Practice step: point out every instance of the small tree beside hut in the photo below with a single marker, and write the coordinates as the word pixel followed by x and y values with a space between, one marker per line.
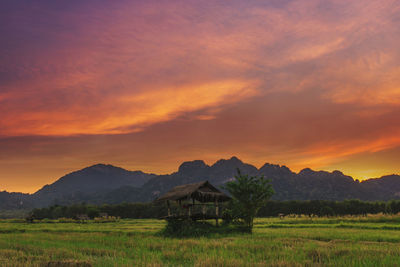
pixel 249 194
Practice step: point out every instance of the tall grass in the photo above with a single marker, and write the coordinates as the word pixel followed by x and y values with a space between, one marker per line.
pixel 353 241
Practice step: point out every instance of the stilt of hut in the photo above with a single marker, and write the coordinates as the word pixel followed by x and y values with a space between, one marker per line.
pixel 169 208
pixel 216 212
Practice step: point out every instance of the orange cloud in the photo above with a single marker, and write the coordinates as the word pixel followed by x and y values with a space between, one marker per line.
pixel 130 113
pixel 326 154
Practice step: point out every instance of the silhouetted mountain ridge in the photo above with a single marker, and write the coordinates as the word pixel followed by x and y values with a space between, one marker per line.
pixel 103 183
pixel 99 178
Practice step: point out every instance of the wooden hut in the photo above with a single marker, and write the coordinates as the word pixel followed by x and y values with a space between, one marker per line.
pixel 189 196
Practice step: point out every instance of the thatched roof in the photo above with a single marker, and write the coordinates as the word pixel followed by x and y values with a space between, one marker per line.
pixel 203 192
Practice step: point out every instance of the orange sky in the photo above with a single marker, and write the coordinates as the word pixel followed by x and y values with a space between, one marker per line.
pixel 149 84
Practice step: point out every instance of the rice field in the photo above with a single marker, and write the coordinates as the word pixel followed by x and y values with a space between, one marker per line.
pixel 352 241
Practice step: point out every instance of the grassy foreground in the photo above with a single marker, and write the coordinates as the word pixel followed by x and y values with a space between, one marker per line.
pixel 371 241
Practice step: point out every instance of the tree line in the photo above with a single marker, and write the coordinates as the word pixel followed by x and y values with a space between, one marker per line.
pixel 271 209
pixel 328 208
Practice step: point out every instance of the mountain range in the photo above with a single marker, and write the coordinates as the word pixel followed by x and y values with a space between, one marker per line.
pixel 101 183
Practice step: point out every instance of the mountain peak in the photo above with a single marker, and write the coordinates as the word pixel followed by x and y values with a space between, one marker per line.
pixel 193 167
pixel 101 167
pixel 96 178
pixel 235 159
pixel 339 173
pixel 192 164
pixel 274 166
pixel 232 161
pixel 274 169
pixel 306 171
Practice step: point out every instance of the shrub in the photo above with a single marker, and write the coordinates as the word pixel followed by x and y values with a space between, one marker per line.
pixel 188 228
pixel 249 194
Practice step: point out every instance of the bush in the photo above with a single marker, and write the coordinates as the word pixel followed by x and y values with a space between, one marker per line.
pixel 188 228
pixel 249 194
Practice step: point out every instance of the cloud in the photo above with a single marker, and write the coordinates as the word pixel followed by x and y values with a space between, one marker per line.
pixel 126 113
pixel 301 82
pixel 88 62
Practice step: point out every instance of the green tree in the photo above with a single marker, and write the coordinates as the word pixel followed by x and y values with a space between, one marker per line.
pixel 249 194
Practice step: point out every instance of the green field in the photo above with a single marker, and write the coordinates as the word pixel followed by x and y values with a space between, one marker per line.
pixel 371 241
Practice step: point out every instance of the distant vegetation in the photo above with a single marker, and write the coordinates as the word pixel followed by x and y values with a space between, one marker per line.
pixel 12 214
pixel 271 209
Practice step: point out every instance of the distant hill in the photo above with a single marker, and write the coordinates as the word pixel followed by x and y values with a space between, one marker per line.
pixel 93 180
pixel 102 183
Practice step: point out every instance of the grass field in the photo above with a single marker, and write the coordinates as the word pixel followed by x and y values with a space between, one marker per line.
pixel 371 241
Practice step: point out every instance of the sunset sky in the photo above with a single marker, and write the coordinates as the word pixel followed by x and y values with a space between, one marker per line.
pixel 146 85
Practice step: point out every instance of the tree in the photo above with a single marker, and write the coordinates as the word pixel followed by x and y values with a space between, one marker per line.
pixel 249 194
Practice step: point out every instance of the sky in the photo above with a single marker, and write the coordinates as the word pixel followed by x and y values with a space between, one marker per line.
pixel 146 85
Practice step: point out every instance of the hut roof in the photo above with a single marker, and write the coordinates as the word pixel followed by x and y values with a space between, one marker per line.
pixel 203 192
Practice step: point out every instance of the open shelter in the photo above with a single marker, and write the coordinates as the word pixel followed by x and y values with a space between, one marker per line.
pixel 189 196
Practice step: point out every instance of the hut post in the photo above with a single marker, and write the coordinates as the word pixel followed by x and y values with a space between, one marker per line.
pixel 203 210
pixel 193 211
pixel 216 212
pixel 169 208
pixel 189 210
